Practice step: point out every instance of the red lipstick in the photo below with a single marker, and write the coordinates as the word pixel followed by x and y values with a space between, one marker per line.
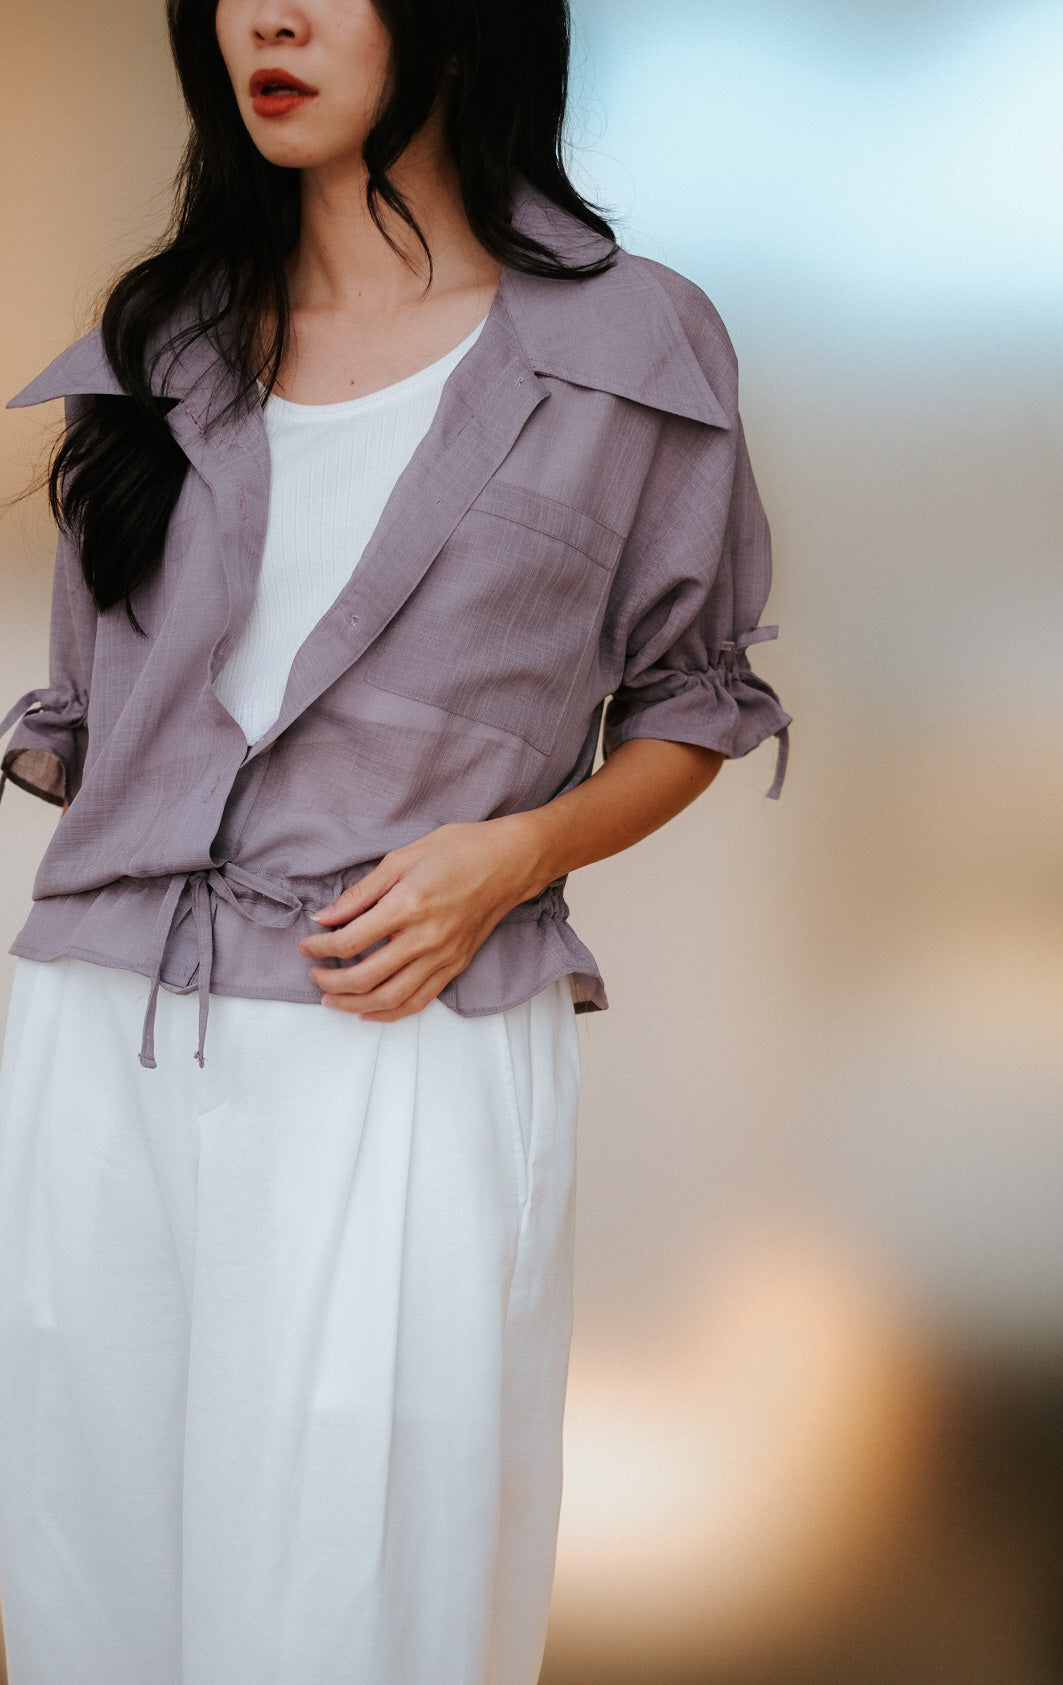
pixel 276 92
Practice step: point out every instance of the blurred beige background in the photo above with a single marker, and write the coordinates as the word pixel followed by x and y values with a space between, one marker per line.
pixel 820 1269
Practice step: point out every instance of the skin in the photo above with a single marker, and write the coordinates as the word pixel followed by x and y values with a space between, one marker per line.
pixel 363 318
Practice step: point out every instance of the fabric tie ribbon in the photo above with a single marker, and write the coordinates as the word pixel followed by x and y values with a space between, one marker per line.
pixel 730 652
pixel 65 708
pixel 255 899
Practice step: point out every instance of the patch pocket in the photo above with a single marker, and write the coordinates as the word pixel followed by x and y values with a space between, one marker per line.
pixel 507 617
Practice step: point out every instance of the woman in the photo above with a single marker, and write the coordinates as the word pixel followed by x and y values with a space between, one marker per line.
pixel 384 478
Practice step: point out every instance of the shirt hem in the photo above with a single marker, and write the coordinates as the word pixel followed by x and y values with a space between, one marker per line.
pixel 587 1002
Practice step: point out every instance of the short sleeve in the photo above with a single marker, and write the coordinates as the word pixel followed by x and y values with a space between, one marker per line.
pixel 693 583
pixel 46 752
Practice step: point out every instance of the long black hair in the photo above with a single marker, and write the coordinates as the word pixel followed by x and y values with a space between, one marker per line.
pixel 117 474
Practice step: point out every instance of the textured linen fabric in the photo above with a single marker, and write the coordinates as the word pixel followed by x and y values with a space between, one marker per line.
pixel 332 469
pixel 578 533
pixel 282 1360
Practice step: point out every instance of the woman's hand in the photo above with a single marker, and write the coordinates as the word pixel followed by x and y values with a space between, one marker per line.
pixel 436 901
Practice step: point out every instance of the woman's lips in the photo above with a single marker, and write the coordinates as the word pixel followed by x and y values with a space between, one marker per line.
pixel 276 92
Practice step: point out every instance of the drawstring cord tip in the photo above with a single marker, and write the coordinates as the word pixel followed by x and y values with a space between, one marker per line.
pixel 282 909
pixel 781 758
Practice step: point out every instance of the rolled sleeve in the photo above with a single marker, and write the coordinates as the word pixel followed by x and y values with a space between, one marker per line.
pixel 46 752
pixel 698 580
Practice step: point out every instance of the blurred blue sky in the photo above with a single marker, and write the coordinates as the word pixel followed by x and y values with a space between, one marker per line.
pixel 865 158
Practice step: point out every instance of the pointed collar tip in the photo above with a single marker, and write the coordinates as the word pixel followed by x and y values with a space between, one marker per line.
pixel 78 371
pixel 616 332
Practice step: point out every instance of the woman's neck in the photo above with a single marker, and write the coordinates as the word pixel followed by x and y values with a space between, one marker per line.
pixel 361 317
pixel 343 263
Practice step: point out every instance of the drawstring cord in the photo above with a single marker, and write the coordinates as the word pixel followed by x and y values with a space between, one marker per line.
pixel 242 891
pixel 730 652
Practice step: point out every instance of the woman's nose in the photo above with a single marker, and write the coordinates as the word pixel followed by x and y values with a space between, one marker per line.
pixel 275 23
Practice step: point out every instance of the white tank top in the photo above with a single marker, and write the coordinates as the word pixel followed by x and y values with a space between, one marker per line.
pixel 332 469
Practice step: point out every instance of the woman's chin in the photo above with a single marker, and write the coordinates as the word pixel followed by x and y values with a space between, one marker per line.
pixel 289 152
pixel 291 146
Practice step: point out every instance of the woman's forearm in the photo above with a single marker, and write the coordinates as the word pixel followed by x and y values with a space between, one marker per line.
pixel 644 783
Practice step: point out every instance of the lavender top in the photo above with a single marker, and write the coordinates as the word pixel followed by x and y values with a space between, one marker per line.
pixel 578 532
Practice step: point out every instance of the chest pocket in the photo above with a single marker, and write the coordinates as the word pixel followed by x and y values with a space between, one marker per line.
pixel 503 624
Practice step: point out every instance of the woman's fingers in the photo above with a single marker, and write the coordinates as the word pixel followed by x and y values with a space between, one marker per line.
pixel 406 948
pixel 359 897
pixel 406 992
pixel 385 918
pixel 370 973
pixel 428 991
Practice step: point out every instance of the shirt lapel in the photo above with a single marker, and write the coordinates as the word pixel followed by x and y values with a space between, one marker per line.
pixel 485 404
pixel 233 460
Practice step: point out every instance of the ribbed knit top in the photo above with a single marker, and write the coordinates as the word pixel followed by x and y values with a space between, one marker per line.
pixel 332 469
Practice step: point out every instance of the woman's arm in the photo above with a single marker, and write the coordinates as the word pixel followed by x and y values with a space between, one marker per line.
pixel 439 898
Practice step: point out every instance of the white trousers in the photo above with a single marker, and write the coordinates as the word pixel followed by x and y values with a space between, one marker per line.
pixel 283 1341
